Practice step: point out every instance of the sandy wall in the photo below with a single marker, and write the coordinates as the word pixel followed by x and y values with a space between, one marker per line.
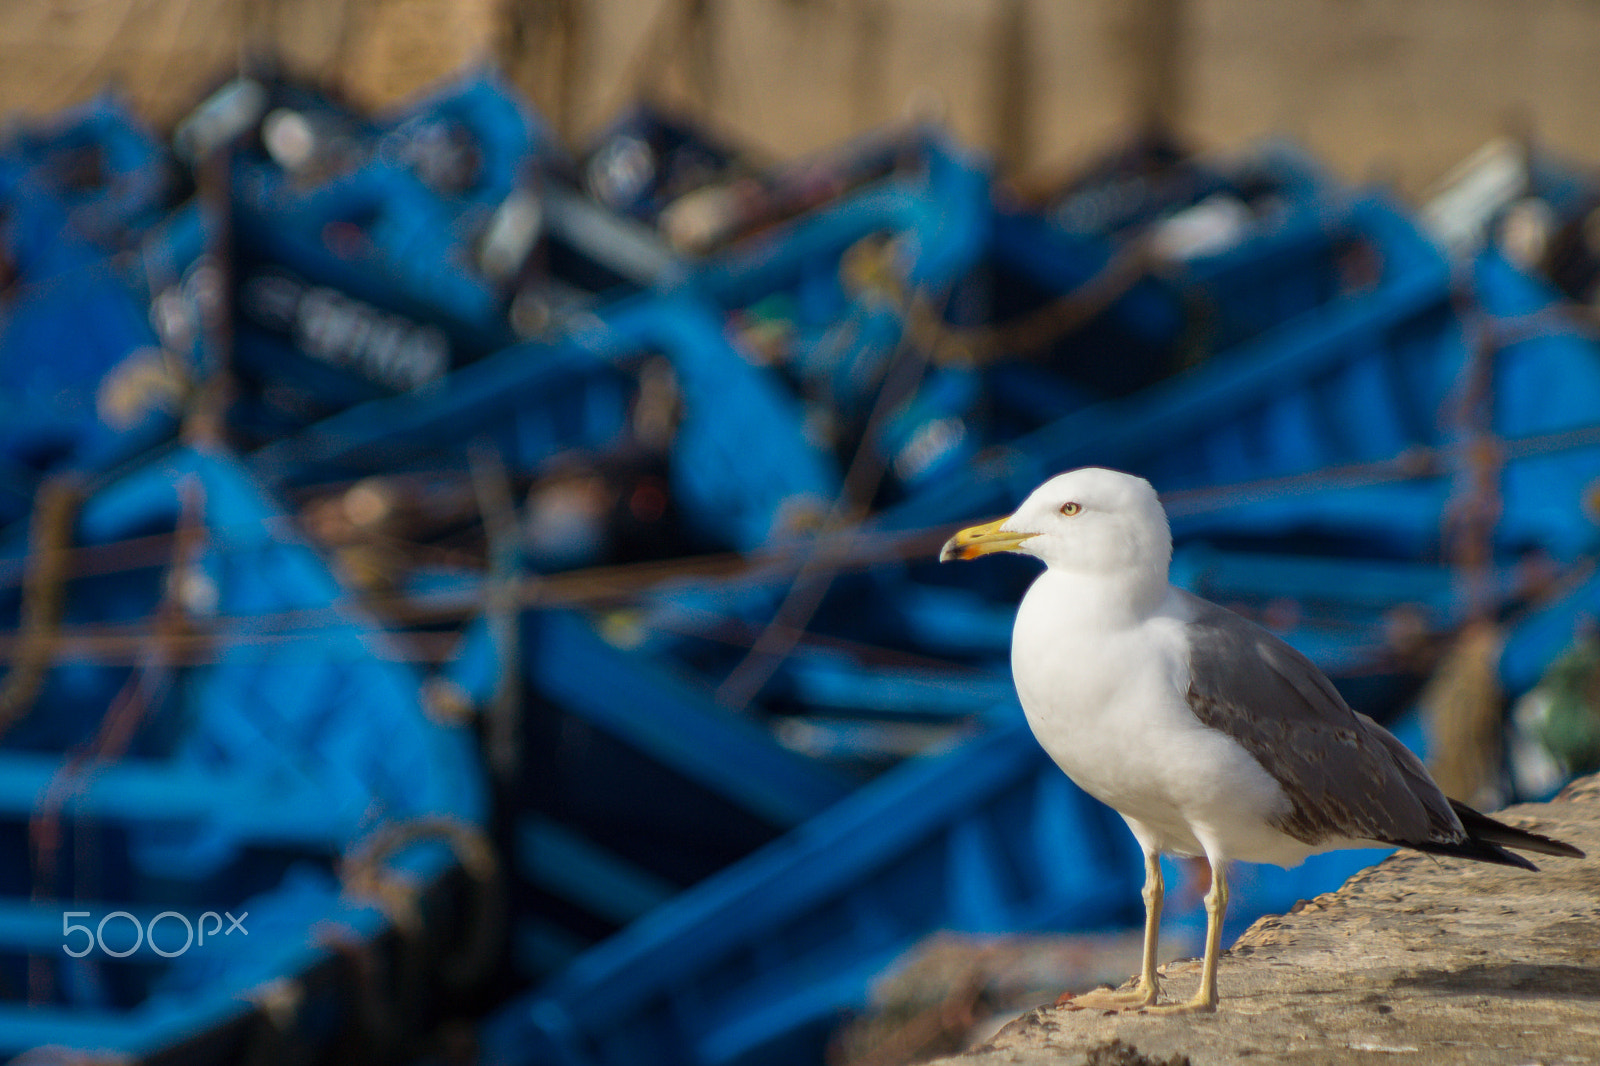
pixel 1399 90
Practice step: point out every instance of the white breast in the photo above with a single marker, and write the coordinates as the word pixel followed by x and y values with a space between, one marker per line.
pixel 1108 702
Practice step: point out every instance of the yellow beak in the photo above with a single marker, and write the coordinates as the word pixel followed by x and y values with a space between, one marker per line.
pixel 982 540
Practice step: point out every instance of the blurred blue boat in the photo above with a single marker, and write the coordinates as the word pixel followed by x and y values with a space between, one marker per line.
pixel 98 162
pixel 629 783
pixel 731 786
pixel 1349 425
pixel 758 963
pixel 1369 356
pixel 352 245
pixel 84 382
pixel 197 720
pixel 742 472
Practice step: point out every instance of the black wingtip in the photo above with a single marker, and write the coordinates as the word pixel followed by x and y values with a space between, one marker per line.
pixel 1481 827
pixel 1478 850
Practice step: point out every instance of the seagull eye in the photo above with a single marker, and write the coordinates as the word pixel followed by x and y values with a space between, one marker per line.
pixel 1070 509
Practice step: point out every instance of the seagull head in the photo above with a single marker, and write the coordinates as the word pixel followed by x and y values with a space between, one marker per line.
pixel 1092 519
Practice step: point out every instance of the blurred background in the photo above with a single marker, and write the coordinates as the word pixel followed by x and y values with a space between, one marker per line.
pixel 472 473
pixel 1402 93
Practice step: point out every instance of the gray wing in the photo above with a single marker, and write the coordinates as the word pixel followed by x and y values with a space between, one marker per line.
pixel 1344 774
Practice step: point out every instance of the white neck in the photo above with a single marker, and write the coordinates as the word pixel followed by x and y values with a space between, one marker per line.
pixel 1106 600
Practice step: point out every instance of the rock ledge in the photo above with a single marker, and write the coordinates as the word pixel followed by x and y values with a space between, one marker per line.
pixel 1417 960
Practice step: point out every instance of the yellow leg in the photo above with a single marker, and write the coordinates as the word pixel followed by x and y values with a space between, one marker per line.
pixel 1154 894
pixel 1148 990
pixel 1205 1000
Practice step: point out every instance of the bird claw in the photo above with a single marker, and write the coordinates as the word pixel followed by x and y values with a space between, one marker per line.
pixel 1111 999
pixel 1193 1006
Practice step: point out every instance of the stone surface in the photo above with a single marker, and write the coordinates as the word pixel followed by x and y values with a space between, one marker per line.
pixel 953 991
pixel 1416 960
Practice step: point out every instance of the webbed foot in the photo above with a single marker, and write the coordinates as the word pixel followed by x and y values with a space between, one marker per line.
pixel 1140 997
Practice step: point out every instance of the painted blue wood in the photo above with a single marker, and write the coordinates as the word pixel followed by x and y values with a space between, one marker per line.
pixel 243 781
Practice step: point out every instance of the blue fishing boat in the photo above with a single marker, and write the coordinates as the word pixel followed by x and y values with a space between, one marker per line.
pixel 228 824
pixel 736 773
pixel 1377 357
pixel 77 190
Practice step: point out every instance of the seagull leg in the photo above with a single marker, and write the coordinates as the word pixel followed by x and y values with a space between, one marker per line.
pixel 1154 894
pixel 1205 999
pixel 1148 990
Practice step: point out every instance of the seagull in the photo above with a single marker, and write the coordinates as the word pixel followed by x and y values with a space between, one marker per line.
pixel 1210 736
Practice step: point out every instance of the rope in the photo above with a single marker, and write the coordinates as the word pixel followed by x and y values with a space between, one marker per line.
pixel 593 587
pixel 34 642
pixel 278 1040
pixel 383 1012
pixel 1034 334
pixel 367 875
pixel 870 271
pixel 630 583
pixel 627 582
pixel 1474 507
pixel 43 594
pixel 145 686
pixel 503 732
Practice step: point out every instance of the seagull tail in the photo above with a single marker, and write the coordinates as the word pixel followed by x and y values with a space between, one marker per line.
pixel 1480 850
pixel 1488 839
